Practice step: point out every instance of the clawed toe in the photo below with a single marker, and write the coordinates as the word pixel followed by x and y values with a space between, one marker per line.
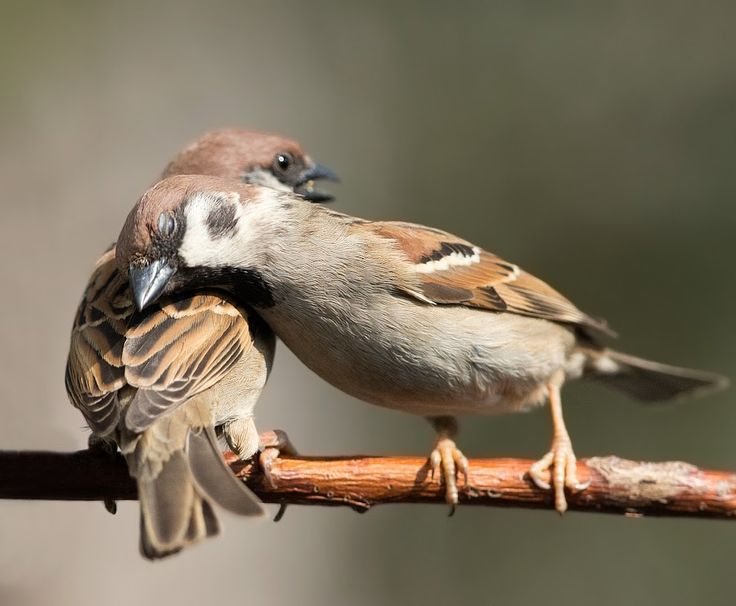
pixel 448 459
pixel 265 461
pixel 539 471
pixel 273 444
pixel 560 466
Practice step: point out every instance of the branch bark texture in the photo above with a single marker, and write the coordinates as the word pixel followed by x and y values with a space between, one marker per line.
pixel 616 485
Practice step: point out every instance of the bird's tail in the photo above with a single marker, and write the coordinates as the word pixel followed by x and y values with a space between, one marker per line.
pixel 649 381
pixel 177 494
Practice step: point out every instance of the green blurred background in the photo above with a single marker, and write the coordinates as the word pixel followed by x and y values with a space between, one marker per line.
pixel 592 143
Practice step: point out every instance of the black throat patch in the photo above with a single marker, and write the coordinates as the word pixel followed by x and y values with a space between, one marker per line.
pixel 248 286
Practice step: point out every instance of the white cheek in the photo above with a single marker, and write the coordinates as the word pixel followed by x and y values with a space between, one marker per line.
pixel 200 249
pixel 266 178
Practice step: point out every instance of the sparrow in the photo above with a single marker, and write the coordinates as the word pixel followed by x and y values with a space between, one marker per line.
pixel 396 314
pixel 161 384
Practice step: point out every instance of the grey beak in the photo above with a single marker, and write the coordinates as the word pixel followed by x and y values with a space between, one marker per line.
pixel 305 184
pixel 148 282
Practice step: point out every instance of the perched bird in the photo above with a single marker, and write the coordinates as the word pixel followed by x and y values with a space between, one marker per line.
pixel 158 383
pixel 396 314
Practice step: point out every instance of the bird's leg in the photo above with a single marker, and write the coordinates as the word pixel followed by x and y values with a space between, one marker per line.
pixel 559 464
pixel 107 448
pixel 448 457
pixel 102 446
pixel 241 436
pixel 273 443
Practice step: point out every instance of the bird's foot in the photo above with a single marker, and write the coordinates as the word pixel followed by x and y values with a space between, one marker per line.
pixel 102 446
pixel 448 457
pixel 273 444
pixel 558 470
pixel 105 448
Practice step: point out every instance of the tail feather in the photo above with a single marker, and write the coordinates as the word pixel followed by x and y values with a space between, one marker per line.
pixel 650 381
pixel 173 512
pixel 215 478
pixel 177 494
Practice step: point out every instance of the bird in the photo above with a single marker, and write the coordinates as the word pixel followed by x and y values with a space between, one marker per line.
pixel 396 314
pixel 160 384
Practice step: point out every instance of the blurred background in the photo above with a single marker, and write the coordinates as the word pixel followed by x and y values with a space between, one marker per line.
pixel 593 145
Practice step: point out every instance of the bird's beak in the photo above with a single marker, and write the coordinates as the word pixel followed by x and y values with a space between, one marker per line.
pixel 148 282
pixel 305 185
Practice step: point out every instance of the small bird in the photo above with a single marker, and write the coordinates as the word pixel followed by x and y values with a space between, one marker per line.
pixel 158 383
pixel 396 314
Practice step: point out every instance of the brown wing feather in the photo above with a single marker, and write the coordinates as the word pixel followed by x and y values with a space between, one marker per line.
pixel 94 370
pixel 452 271
pixel 179 350
pixel 174 351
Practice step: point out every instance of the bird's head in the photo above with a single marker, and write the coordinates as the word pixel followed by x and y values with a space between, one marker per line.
pixel 193 231
pixel 251 157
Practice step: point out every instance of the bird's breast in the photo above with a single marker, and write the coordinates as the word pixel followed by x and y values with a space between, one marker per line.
pixel 425 359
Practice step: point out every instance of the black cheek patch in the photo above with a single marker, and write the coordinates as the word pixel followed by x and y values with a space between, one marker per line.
pixel 221 221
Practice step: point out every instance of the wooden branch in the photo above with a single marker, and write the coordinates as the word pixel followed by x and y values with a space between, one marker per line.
pixel 616 485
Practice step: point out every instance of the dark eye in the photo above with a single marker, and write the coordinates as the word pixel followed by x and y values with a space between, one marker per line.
pixel 283 162
pixel 166 224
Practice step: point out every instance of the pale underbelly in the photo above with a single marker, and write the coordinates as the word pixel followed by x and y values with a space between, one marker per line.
pixel 456 404
pixel 459 362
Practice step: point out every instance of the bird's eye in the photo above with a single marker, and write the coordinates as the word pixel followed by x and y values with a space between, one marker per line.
pixel 166 224
pixel 283 161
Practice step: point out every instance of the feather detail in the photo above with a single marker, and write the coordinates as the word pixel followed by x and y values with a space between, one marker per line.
pixel 452 271
pixel 177 349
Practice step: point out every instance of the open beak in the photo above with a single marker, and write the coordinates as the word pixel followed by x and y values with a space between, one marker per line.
pixel 305 185
pixel 148 282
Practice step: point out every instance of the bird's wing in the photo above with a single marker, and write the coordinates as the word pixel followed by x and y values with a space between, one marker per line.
pixel 94 368
pixel 452 271
pixel 178 350
pixel 169 353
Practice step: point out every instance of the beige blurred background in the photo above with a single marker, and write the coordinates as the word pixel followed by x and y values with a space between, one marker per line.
pixel 594 145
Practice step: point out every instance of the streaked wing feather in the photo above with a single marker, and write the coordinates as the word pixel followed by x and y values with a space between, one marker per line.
pixel 170 353
pixel 179 350
pixel 94 371
pixel 452 271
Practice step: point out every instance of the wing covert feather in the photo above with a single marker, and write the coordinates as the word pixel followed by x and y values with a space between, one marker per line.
pixel 452 271
pixel 170 353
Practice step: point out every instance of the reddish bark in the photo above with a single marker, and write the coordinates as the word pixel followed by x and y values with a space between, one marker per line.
pixel 616 485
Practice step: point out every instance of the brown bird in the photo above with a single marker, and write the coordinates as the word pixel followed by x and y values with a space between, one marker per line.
pixel 158 383
pixel 396 314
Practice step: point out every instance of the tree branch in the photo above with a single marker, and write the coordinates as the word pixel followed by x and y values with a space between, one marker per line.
pixel 616 485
